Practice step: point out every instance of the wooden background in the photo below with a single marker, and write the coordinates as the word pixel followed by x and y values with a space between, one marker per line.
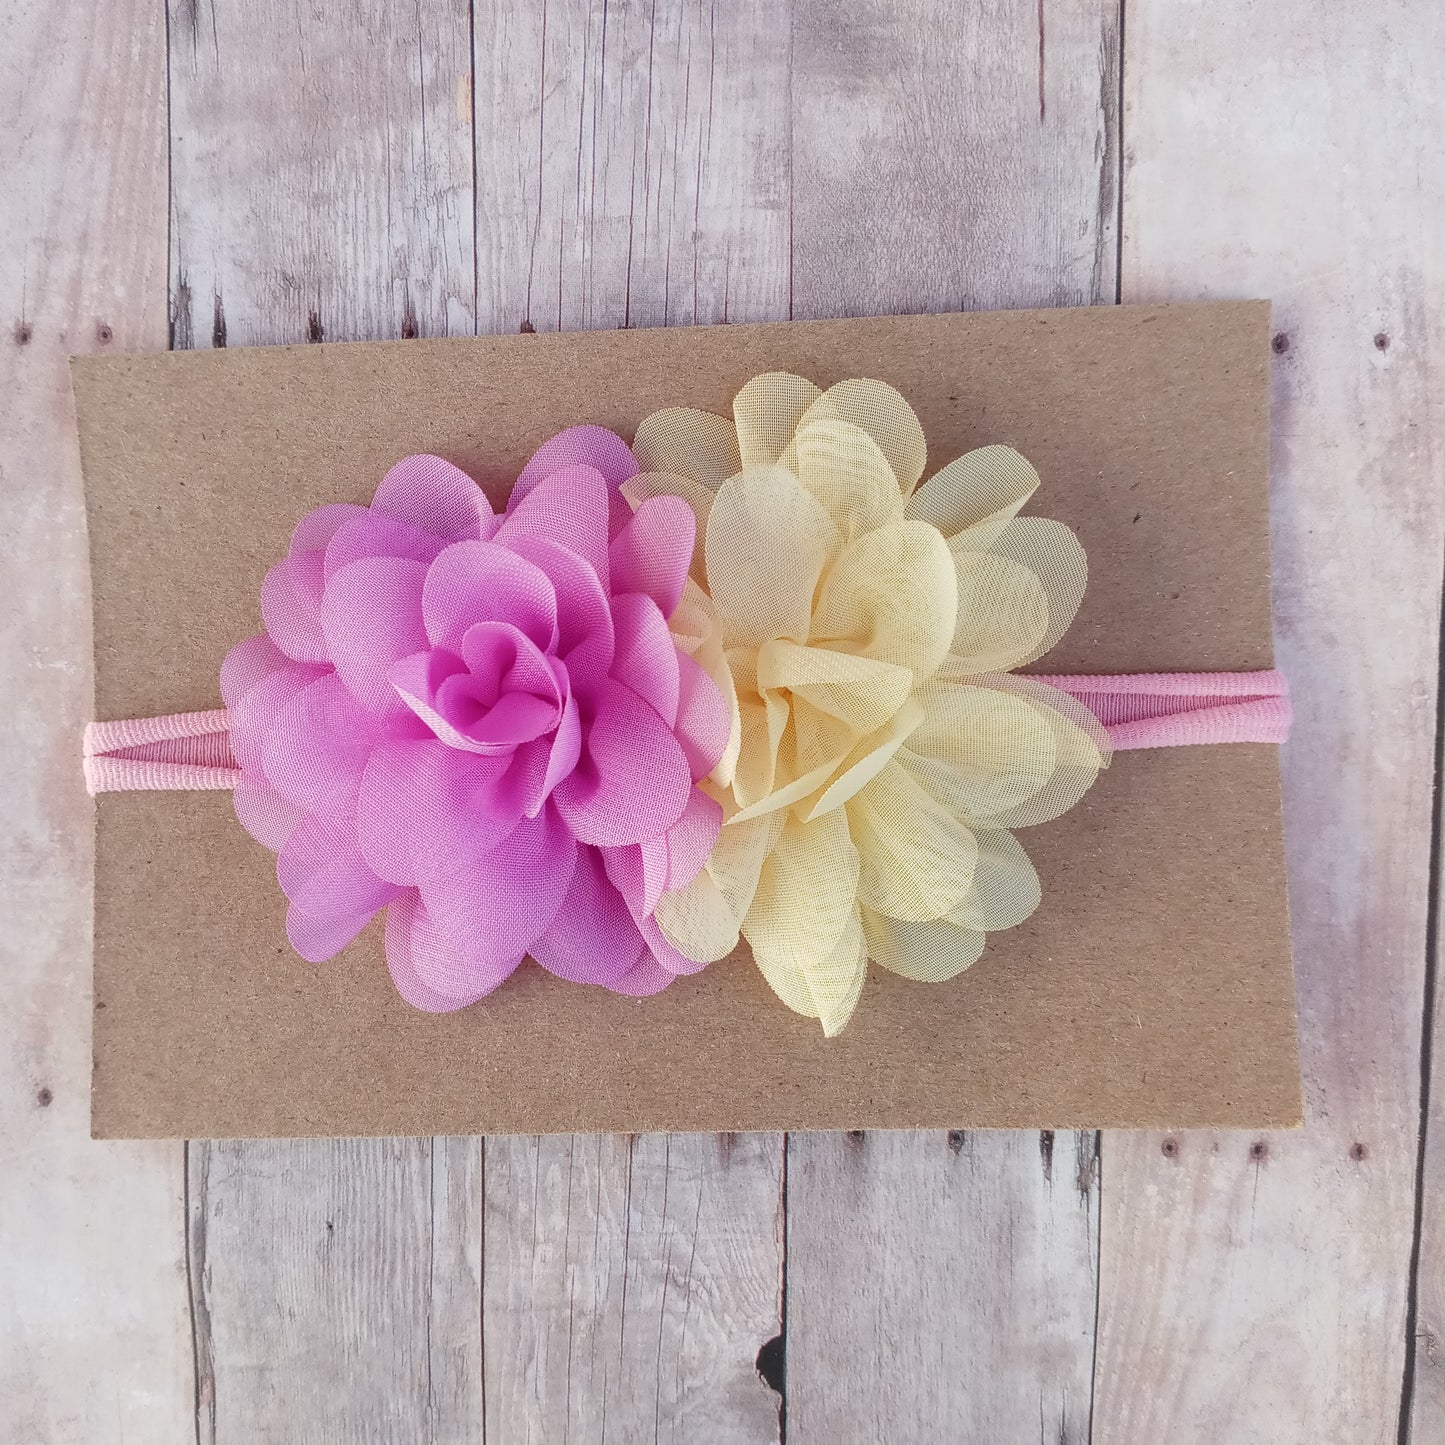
pixel 235 172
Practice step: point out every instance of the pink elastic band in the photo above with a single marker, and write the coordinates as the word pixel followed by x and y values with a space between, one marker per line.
pixel 192 750
pixel 1176 709
pixel 186 750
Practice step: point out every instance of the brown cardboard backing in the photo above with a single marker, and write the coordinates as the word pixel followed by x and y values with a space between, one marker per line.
pixel 1153 985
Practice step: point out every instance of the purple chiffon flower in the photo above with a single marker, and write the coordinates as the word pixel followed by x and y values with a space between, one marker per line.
pixel 482 724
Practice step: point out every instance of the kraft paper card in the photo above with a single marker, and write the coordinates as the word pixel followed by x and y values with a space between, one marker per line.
pixel 1151 987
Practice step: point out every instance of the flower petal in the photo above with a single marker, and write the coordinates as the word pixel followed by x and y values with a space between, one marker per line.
pixel 704 718
pixel 371 618
pixel 1003 613
pixel 928 950
pixel 584 614
pixel 593 938
pixel 427 973
pixel 431 493
pixel 268 817
pixel 569 508
pixel 322 872
pixel 862 692
pixel 690 443
pixel 980 491
pixel 313 533
pixel 492 904
pixel 892 595
pixel 846 470
pixel 473 582
pixel 646 485
pixel 979 751
pixel 260 707
pixel 632 780
pixel 916 858
pixel 646 661
pixel 882 412
pixel 652 553
pixel 318 939
pixel 766 413
pixel 1055 556
pixel 803 924
pixel 1006 887
pixel 318 748
pixel 377 534
pixel 291 606
pixel 643 980
pixel 249 663
pixel 759 593
pixel 588 446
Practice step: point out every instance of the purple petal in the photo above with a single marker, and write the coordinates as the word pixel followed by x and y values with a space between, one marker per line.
pixel 291 606
pixel 421 804
pixel 703 720
pixel 589 446
pixel 317 939
pixel 652 553
pixel 584 614
pixel 268 817
pixel 690 840
pixel 322 872
pixel 568 508
pixel 432 494
pixel 647 978
pixel 632 781
pixel 260 708
pixel 427 974
pixel 475 582
pixel 249 663
pixel 315 530
pixel 376 534
pixel 491 905
pixel 371 616
pixel 318 748
pixel 593 938
pixel 645 659
pixel 624 868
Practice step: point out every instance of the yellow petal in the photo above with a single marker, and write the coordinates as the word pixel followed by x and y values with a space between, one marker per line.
pixel 1056 557
pixel 979 491
pixel 1005 885
pixel 688 443
pixel 1003 612
pixel 761 724
pixel 860 691
pixel 646 485
pixel 883 413
pixel 892 595
pixel 766 412
pixel 979 751
pixel 867 759
pixel 1081 749
pixel 768 541
pixel 702 920
pixel 916 858
pixel 803 925
pixel 843 467
pixel 929 951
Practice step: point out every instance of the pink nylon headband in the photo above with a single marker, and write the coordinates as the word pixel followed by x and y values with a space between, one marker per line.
pixel 192 750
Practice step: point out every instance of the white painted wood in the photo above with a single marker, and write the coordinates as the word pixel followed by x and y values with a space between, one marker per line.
pixel 630 1281
pixel 321 189
pixel 631 170
pixel 335 1287
pixel 321 171
pixel 94 1343
pixel 1255 1289
pixel 943 1287
pixel 632 163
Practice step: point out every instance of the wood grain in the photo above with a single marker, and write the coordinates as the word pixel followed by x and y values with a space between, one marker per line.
pixel 1255 1289
pixel 630 1282
pixel 632 169
pixel 94 1343
pixel 321 189
pixel 943 1286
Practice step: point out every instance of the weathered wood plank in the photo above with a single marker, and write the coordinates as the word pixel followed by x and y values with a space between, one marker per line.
pixel 942 1287
pixel 94 1342
pixel 1425 1387
pixel 630 1281
pixel 321 174
pixel 631 170
pixel 1255 1289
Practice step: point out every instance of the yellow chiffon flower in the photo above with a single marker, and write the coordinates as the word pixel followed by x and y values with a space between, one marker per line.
pixel 863 628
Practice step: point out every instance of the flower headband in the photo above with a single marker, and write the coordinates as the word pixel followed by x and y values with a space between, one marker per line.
pixel 744 680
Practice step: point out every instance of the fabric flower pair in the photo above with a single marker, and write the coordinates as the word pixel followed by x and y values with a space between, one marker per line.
pixel 862 629
pixel 483 724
